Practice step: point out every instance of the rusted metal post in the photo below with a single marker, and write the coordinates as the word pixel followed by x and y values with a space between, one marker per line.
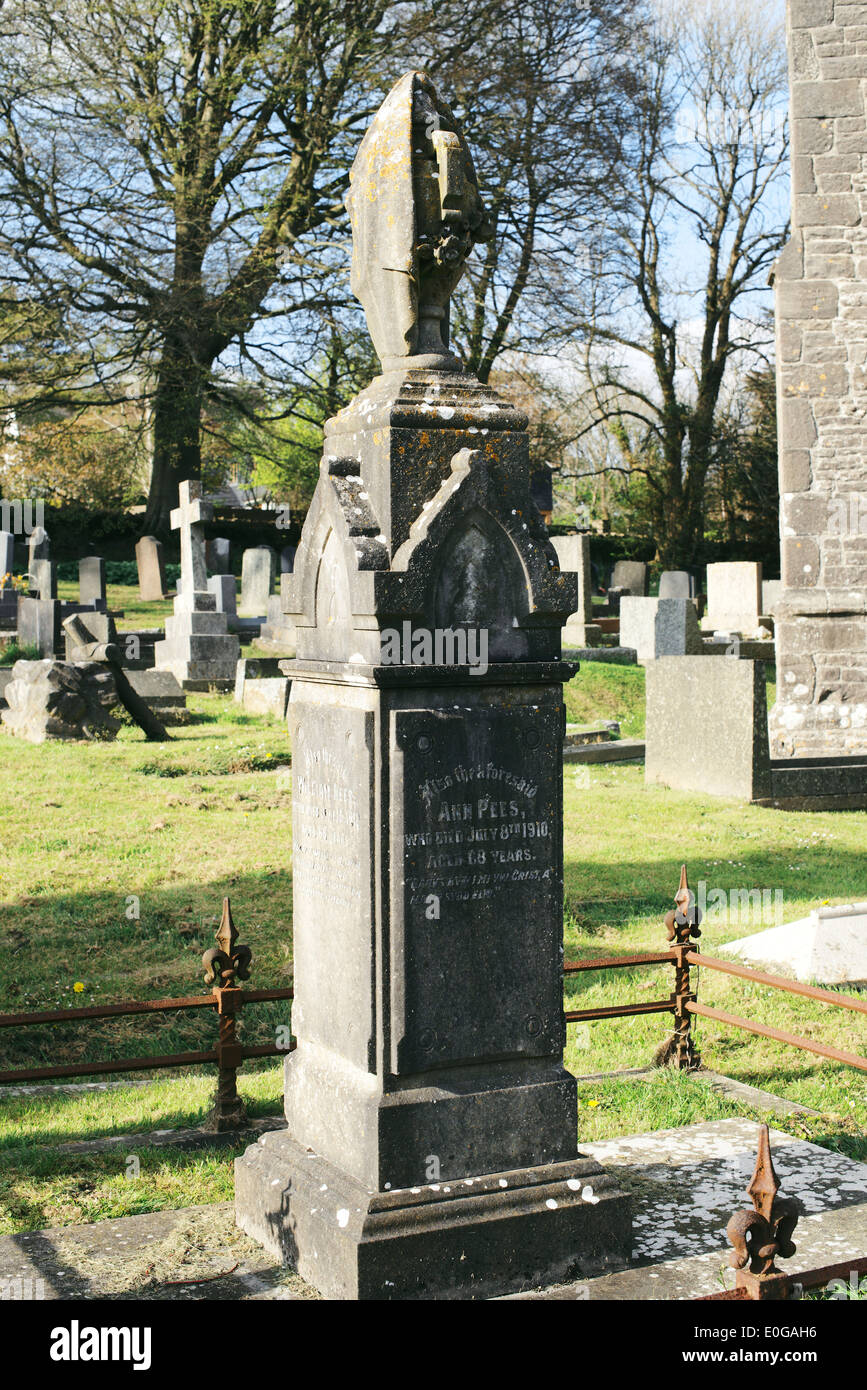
pixel 222 964
pixel 758 1236
pixel 681 923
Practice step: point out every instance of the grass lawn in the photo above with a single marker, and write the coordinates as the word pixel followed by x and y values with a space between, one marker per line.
pixel 93 835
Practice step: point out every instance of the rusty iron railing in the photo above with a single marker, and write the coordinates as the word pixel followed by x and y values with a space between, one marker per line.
pixel 223 964
pixel 228 962
pixel 763 1234
pixel 682 924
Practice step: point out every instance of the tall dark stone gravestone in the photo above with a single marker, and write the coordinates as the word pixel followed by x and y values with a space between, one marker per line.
pixel 431 1141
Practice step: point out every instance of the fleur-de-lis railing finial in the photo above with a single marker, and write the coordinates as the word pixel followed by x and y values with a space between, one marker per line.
pixel 682 921
pixel 758 1236
pixel 227 959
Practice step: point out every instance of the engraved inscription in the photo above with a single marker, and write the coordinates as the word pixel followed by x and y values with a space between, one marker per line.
pixel 477 910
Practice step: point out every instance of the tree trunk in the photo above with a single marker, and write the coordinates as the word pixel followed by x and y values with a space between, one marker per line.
pixel 177 417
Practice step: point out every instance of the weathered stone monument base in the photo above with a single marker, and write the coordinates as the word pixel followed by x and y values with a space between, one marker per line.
pixel 198 649
pixel 56 700
pixel 468 1238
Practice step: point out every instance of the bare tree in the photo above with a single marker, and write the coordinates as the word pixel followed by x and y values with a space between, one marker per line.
pixel 676 301
pixel 164 165
pixel 548 105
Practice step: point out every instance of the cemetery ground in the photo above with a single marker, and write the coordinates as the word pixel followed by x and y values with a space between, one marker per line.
pixel 93 834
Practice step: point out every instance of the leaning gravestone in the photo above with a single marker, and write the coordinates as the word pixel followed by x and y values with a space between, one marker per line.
pixel 151 569
pixel 198 649
pixel 430 1145
pixel 258 571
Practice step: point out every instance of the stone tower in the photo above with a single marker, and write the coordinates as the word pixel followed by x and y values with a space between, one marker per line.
pixel 821 308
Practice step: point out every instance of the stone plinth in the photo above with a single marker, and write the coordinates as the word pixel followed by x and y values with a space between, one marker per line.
pixel 430 1150
pixel 821 616
pixel 198 648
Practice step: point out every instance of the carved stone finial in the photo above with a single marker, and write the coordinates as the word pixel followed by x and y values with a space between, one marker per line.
pixel 226 960
pixel 682 921
pixel 416 214
pixel 758 1236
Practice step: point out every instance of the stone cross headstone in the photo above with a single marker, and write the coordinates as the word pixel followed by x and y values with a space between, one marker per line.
pixel 188 518
pixel 91 581
pixel 198 648
pixel 258 571
pixel 430 1145
pixel 151 569
pixel 821 615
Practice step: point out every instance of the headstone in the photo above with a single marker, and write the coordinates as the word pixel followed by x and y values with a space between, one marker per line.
pixel 224 589
pixel 151 569
pixel 707 726
pixel 254 668
pixel 821 617
pixel 287 559
pixel 734 597
pixel 630 575
pixel 258 570
pixel 56 700
pixel 91 581
pixel 573 554
pixel 277 633
pixel 198 648
pixel 772 590
pixel 657 627
pixel 829 947
pixel 38 547
pixel 430 1146
pixel 43 578
pixel 219 555
pixel 39 624
pixel 7 556
pixel 676 584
